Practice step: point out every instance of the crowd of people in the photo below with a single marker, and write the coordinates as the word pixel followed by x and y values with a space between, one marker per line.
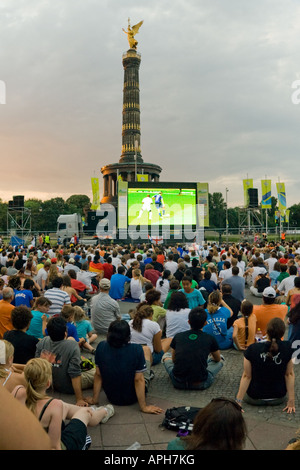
pixel 61 327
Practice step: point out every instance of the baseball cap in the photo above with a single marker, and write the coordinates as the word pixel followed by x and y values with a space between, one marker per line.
pixel 105 283
pixel 269 292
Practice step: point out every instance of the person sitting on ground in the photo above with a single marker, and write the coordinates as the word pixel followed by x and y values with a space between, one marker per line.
pixel 207 283
pixel 218 426
pixel 174 287
pixel 104 309
pixel 153 300
pixel 293 295
pixel 120 369
pixel 274 273
pixel 64 355
pixel 189 365
pixel 39 319
pixel 261 282
pixel 194 296
pixel 151 274
pixel 57 296
pixel 24 345
pixel 244 328
pixel 177 315
pixel 268 310
pixel 25 296
pixel 283 273
pixel 232 302
pixel 147 286
pixel 52 412
pixel 146 331
pixel 119 284
pixel 293 321
pixel 84 329
pixel 137 284
pixel 11 373
pixel 218 314
pixel 269 371
pixel 6 308
pixel 163 284
pixel 288 283
pixel 75 298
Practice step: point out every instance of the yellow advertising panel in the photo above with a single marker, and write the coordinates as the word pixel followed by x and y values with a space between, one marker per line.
pixel 96 193
pixel 247 184
pixel 142 177
pixel 266 198
pixel 202 204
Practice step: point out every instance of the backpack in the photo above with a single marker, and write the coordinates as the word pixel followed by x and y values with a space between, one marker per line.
pixel 180 419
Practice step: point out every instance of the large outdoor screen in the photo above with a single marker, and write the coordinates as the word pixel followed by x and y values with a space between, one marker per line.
pixel 161 206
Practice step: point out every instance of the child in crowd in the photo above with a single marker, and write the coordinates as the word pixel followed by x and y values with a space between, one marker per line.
pixel 84 329
pixel 244 328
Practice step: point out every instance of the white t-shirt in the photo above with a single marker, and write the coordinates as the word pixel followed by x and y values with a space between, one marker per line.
pixel 171 266
pixel 164 289
pixel 176 322
pixel 149 329
pixel 136 288
pixel 225 274
pixel 271 263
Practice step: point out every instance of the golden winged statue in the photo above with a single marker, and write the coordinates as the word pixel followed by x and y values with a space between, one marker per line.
pixel 131 32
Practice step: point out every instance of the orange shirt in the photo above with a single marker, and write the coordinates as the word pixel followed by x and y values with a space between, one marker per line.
pixel 5 314
pixel 161 259
pixel 241 330
pixel 265 313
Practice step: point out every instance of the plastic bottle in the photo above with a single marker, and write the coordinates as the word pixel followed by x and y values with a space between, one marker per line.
pixel 259 335
pixel 134 446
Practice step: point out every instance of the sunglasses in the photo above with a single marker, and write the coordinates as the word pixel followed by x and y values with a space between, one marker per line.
pixel 227 401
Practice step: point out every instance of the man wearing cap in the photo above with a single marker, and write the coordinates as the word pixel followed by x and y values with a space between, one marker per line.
pixel 71 265
pixel 268 310
pixel 104 309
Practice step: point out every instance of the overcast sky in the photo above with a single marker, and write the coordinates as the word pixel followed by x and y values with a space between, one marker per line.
pixel 215 81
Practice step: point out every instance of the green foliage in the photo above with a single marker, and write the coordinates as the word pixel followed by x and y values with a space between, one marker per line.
pixel 44 213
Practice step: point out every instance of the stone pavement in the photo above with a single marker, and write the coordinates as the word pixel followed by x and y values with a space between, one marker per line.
pixel 268 427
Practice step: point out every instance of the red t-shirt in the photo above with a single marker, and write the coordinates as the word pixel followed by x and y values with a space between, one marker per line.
pixel 108 270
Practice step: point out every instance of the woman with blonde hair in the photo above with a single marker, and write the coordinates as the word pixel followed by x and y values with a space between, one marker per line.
pixel 10 374
pixel 137 284
pixel 52 412
pixel 218 313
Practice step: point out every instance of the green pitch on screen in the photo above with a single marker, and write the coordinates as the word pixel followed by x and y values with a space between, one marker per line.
pixel 180 207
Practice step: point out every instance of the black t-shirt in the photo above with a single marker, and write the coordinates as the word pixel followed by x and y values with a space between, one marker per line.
pixel 262 283
pixel 118 367
pixel 268 375
pixel 235 305
pixel 192 349
pixel 24 345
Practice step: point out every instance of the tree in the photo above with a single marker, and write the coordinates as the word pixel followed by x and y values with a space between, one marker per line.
pixel 217 210
pixel 78 203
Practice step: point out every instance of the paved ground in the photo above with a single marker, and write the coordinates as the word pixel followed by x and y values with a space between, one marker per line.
pixel 268 427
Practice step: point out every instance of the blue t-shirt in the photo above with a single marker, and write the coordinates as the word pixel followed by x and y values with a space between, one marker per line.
pixel 83 328
pixel 23 297
pixel 216 326
pixel 36 324
pixel 117 282
pixel 194 298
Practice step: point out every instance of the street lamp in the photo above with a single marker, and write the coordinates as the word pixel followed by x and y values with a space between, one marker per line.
pixel 226 216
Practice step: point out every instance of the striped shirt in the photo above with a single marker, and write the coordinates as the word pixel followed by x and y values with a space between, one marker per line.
pixel 58 298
